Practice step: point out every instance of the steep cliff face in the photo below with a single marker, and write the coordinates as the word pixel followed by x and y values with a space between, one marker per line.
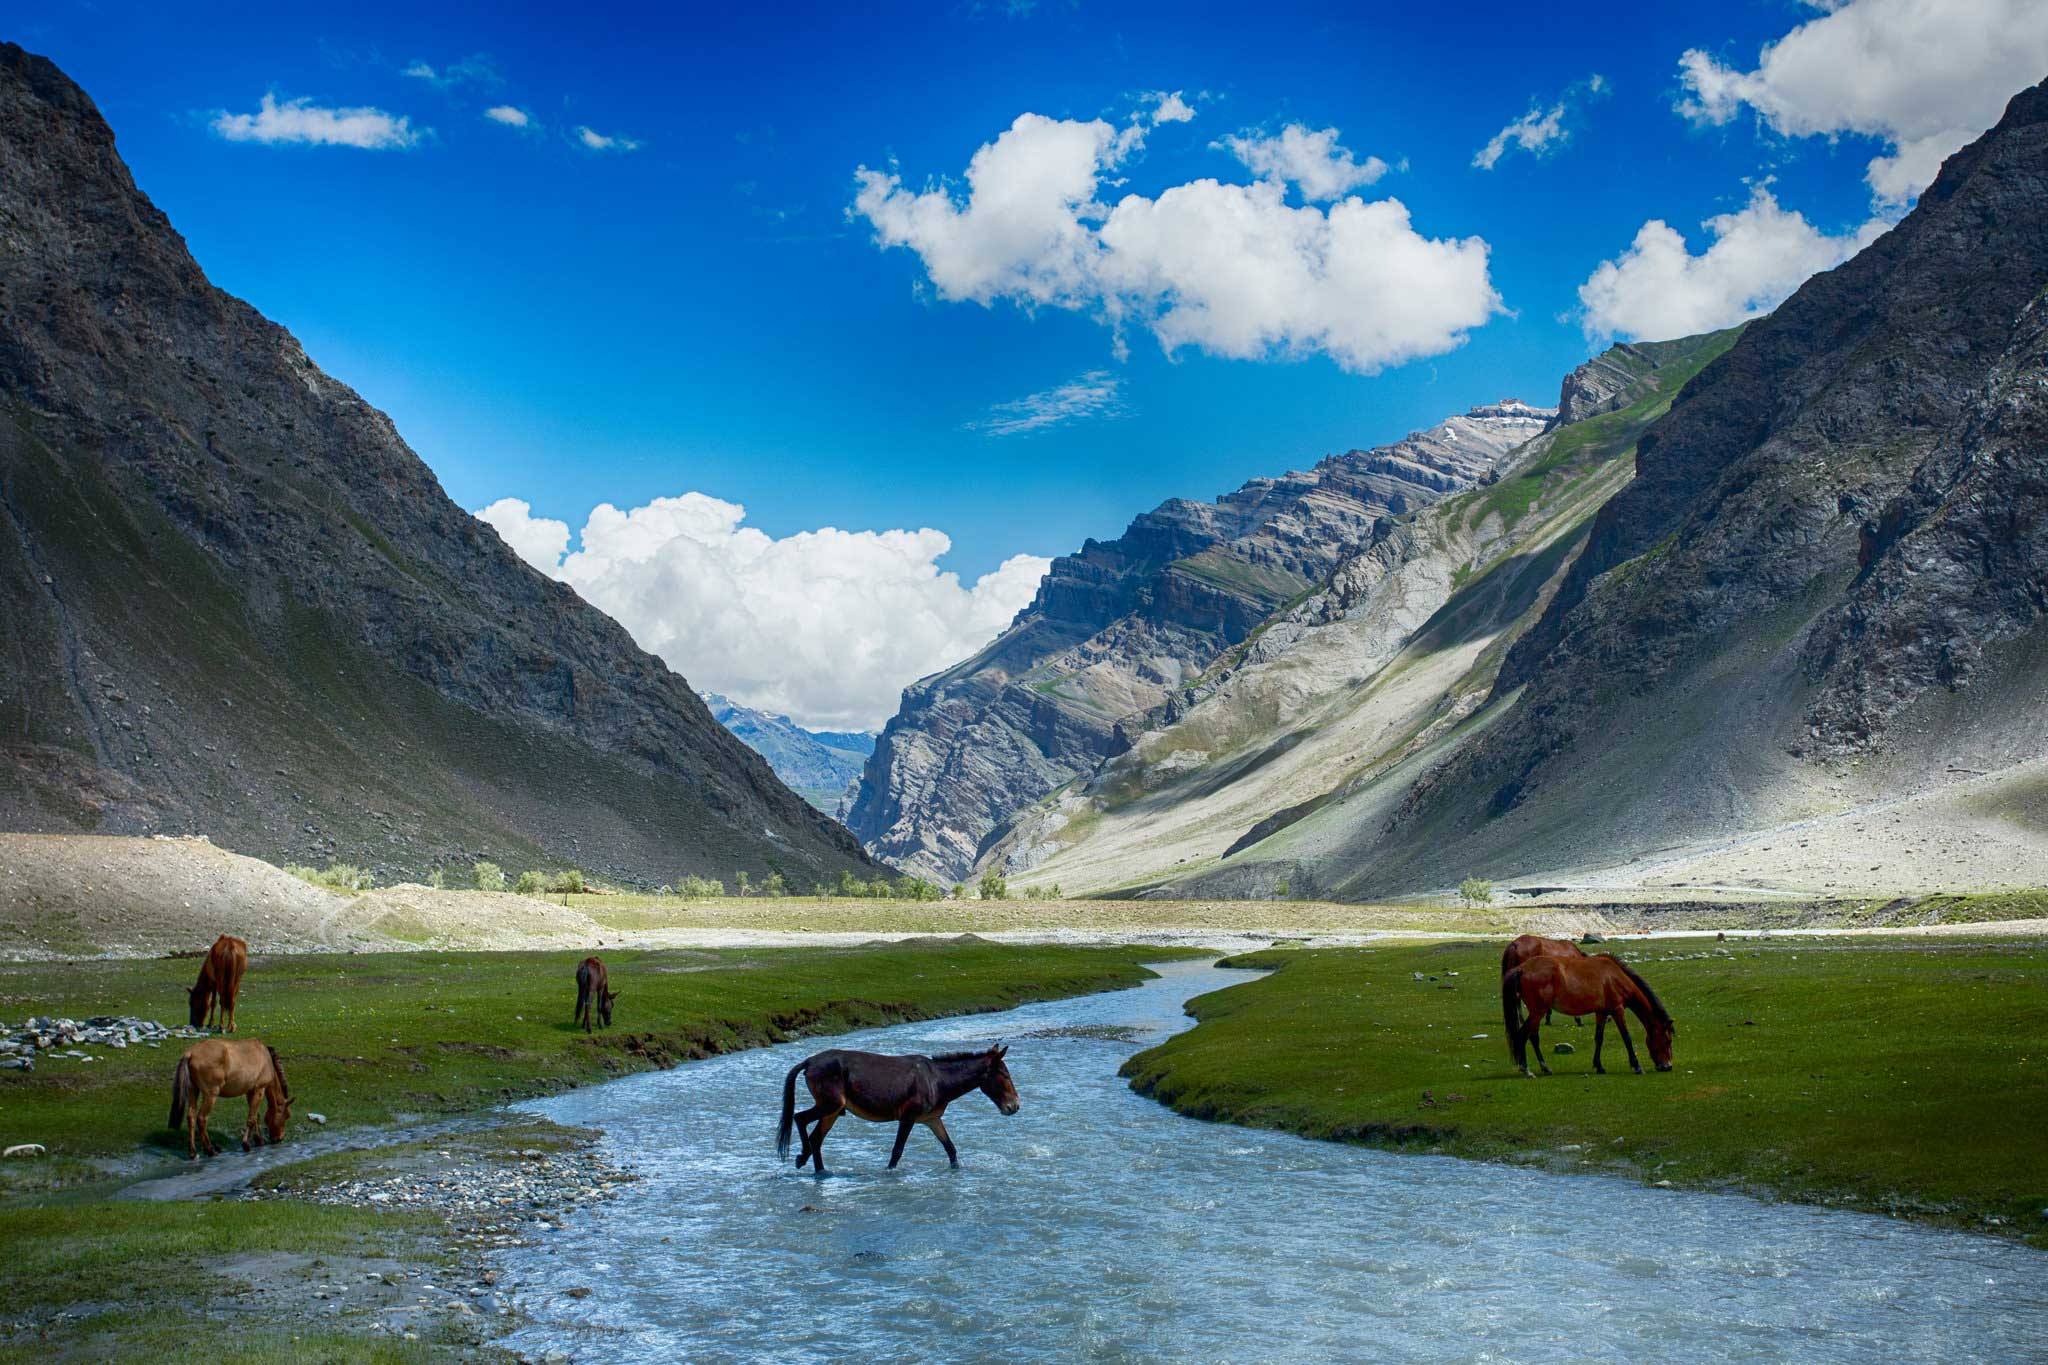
pixel 1394 651
pixel 1120 627
pixel 232 601
pixel 1823 592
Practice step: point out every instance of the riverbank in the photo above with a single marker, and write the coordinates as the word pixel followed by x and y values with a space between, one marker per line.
pixel 375 1042
pixel 1904 1076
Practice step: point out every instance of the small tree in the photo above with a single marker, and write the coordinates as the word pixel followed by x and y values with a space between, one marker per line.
pixel 530 882
pixel 438 879
pixel 959 891
pixel 775 885
pixel 742 884
pixel 1475 891
pixel 489 877
pixel 567 880
pixel 994 886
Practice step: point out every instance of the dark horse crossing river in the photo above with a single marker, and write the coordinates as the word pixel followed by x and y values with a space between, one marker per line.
pixel 1097 1225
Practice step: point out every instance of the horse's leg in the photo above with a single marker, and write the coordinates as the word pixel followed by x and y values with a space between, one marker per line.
pixel 902 1136
pixel 1621 1026
pixel 803 1123
pixel 1599 1037
pixel 252 1134
pixel 938 1127
pixel 1531 1034
pixel 206 1099
pixel 818 1140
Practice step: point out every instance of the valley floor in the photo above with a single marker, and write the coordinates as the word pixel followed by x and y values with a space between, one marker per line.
pixel 1897 1076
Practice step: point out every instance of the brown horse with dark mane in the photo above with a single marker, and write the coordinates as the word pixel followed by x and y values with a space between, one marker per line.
pixel 220 982
pixel 1602 986
pixel 905 1091
pixel 1534 945
pixel 593 993
pixel 214 1067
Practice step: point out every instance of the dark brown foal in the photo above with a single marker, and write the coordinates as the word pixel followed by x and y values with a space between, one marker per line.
pixel 905 1091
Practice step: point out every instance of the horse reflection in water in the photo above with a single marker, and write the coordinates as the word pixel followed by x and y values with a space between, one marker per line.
pixel 905 1091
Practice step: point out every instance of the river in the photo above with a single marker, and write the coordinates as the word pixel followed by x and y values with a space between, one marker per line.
pixel 1098 1225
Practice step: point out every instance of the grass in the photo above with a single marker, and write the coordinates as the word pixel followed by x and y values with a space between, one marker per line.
pixel 1894 1076
pixel 373 1039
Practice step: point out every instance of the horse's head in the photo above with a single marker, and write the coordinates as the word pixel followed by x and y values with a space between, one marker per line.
pixel 996 1082
pixel 1662 1029
pixel 275 1115
pixel 197 1000
pixel 604 1008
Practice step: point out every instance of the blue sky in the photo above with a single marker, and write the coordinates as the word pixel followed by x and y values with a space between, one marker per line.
pixel 691 309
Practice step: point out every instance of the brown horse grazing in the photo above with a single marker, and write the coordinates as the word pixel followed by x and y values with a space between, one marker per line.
pixel 220 983
pixel 215 1067
pixel 1534 945
pixel 905 1091
pixel 1601 986
pixel 593 995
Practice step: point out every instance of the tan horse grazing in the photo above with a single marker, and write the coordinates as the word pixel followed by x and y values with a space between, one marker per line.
pixel 594 995
pixel 220 983
pixel 1601 986
pixel 214 1067
pixel 905 1091
pixel 1534 945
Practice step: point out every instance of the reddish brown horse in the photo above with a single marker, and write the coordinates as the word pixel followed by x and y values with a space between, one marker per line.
pixel 593 993
pixel 220 982
pixel 905 1091
pixel 1601 986
pixel 215 1067
pixel 1533 945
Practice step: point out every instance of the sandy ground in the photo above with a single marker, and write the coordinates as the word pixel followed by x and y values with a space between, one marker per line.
pixel 82 896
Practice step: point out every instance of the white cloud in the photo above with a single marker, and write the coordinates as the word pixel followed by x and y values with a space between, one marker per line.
pixel 478 69
pixel 1657 289
pixel 826 627
pixel 1310 159
pixel 511 115
pixel 1231 269
pixel 600 142
pixel 1097 393
pixel 1169 107
pixel 1540 131
pixel 301 120
pixel 1923 76
pixel 423 72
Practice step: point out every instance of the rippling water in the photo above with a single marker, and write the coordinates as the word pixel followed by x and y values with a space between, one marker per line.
pixel 1098 1225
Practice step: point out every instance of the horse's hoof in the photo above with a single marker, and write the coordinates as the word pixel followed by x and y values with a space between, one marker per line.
pixel 1638 1070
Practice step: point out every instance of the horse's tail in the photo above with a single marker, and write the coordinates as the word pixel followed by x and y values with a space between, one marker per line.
pixel 181 1092
pixel 1511 1014
pixel 1508 961
pixel 788 1107
pixel 278 1067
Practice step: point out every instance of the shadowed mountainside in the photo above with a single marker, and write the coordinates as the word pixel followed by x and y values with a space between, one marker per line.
pixel 233 602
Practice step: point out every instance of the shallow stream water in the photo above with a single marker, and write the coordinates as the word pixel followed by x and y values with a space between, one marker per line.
pixel 1098 1225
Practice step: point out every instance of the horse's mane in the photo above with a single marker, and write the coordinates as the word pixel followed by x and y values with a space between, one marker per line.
pixel 975 1054
pixel 1657 1010
pixel 278 1067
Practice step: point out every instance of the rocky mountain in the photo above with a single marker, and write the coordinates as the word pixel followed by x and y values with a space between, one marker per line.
pixel 818 765
pixel 1122 626
pixel 1818 610
pixel 233 602
pixel 1397 648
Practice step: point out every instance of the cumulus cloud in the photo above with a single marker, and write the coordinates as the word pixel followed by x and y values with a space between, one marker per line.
pixel 1923 77
pixel 1230 269
pixel 302 121
pixel 1169 107
pixel 826 627
pixel 511 115
pixel 601 142
pixel 1542 130
pixel 1309 159
pixel 1657 289
pixel 1097 393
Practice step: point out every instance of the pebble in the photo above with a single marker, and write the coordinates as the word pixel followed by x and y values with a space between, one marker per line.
pixel 49 1034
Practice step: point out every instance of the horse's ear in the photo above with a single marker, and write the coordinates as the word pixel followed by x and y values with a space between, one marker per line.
pixel 999 1051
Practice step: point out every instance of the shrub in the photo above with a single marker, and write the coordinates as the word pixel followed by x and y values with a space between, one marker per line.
pixel 530 882
pixel 697 888
pixel 489 877
pixel 566 881
pixel 994 886
pixel 335 876
pixel 742 883
pixel 1475 891
pixel 775 885
pixel 438 879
